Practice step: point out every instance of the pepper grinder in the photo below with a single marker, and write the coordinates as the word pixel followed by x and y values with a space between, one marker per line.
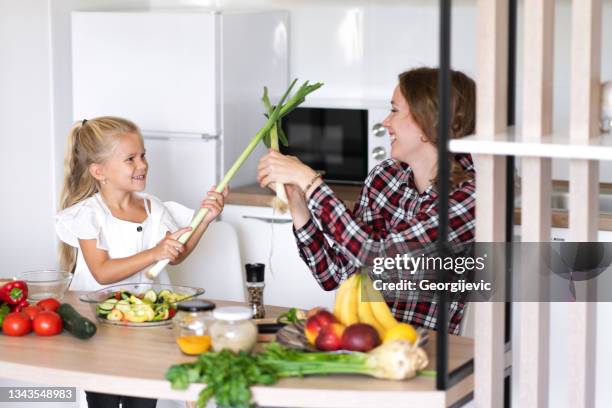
pixel 255 286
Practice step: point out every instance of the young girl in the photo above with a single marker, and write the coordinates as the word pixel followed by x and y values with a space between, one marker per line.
pixel 111 231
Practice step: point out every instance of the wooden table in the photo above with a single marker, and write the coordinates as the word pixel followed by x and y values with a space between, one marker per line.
pixel 132 361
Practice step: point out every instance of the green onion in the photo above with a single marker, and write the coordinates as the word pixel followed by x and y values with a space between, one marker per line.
pixel 275 115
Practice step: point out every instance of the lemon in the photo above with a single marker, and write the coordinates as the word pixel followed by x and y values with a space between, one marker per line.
pixel 401 331
pixel 194 345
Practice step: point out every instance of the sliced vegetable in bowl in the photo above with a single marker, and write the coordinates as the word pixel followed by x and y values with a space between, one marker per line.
pixel 138 304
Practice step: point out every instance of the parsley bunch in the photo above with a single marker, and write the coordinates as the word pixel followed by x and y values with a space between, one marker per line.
pixel 228 377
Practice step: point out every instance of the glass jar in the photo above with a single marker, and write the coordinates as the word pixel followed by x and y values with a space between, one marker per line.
pixel 192 324
pixel 255 289
pixel 233 329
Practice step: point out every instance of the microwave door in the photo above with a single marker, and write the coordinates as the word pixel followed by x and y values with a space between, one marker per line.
pixel 182 167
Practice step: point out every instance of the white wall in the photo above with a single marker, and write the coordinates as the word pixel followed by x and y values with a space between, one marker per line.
pixel 26 149
pixel 35 116
pixel 356 47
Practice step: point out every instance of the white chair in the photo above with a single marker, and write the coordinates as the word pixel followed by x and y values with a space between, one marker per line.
pixel 215 265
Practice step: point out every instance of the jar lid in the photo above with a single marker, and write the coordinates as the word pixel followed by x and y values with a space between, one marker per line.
pixel 195 305
pixel 255 272
pixel 233 313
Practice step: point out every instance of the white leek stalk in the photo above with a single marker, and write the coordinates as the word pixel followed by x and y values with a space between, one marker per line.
pixel 278 112
pixel 195 223
pixel 280 201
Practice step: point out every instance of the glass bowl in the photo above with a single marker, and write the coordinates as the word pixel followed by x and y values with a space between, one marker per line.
pixel 46 284
pixel 138 304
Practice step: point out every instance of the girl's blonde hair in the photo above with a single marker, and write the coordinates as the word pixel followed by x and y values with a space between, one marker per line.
pixel 90 141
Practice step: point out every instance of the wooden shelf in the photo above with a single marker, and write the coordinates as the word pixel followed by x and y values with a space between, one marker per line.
pixel 140 358
pixel 511 143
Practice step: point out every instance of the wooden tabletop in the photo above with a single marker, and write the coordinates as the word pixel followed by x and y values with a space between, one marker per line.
pixel 133 361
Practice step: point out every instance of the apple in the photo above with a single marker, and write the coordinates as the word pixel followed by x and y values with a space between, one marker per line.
pixel 315 323
pixel 360 337
pixel 330 337
pixel 313 311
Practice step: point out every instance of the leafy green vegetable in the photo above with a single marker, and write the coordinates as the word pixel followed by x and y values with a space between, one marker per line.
pixel 229 376
pixel 290 316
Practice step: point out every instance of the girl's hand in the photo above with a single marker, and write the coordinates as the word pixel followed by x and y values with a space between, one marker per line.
pixel 169 247
pixel 214 202
pixel 276 167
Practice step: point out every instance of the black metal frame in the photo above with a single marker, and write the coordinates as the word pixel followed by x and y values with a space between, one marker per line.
pixel 444 379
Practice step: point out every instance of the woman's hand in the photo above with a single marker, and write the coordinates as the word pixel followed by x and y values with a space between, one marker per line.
pixel 214 202
pixel 169 247
pixel 276 167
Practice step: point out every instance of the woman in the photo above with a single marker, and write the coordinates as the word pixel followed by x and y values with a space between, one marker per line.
pixel 397 206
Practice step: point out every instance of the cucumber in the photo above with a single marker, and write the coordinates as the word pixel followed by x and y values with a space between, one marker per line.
pixel 76 324
pixel 125 295
pixel 101 312
pixel 107 305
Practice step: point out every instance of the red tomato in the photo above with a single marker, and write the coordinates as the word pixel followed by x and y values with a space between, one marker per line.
pixel 16 324
pixel 50 304
pixel 32 311
pixel 47 324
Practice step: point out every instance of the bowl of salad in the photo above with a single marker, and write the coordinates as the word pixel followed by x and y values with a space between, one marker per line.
pixel 139 304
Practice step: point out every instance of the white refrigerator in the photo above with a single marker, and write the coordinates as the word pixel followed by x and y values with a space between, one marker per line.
pixel 192 80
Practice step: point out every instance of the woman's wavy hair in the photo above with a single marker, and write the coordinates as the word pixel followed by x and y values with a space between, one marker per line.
pixel 420 89
pixel 90 141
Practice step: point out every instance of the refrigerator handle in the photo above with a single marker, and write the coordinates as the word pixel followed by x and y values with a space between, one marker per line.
pixel 165 135
pixel 268 220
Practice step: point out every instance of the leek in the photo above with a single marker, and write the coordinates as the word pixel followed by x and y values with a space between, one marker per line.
pixel 280 201
pixel 275 114
pixel 229 376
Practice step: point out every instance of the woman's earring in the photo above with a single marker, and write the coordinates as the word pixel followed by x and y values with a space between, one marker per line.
pixel 103 181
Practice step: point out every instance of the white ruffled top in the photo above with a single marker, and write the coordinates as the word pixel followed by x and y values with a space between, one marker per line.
pixel 91 219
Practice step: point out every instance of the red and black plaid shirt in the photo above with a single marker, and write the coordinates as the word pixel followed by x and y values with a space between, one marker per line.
pixel 389 215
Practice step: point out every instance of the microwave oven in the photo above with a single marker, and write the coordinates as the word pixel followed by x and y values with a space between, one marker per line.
pixel 343 143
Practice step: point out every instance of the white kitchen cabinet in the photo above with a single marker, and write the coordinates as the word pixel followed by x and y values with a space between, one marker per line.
pixel 289 282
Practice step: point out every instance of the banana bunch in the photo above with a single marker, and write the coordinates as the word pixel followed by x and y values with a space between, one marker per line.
pixel 373 310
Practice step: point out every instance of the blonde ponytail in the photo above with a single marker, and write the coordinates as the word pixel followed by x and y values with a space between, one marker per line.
pixel 89 141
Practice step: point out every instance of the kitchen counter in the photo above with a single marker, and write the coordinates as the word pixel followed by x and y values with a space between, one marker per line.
pixel 253 194
pixel 257 196
pixel 132 361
